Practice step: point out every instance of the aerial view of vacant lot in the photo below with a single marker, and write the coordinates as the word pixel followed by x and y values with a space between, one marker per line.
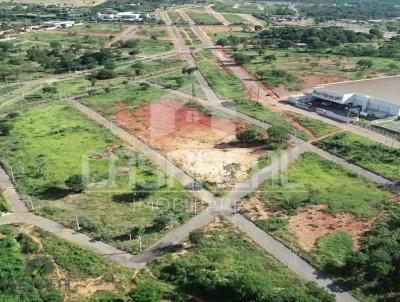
pixel 199 151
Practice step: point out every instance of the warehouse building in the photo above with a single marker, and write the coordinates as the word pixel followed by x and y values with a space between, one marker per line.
pixel 379 97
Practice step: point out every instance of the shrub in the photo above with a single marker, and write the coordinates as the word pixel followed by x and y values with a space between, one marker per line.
pixel 75 183
pixel 278 137
pixel 196 237
pixel 28 246
pixel 147 292
pixel 249 136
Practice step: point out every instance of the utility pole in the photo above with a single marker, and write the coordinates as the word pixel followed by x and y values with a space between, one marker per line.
pixel 31 202
pixel 12 174
pixel 77 222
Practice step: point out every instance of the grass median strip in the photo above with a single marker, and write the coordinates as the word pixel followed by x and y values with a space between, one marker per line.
pixel 380 159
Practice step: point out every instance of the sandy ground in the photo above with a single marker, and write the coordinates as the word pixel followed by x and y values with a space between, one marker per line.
pixel 201 145
pixel 311 223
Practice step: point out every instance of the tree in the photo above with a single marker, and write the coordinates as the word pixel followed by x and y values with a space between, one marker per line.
pixel 241 58
pixel 75 183
pixel 278 137
pixel 189 70
pixel 196 237
pixel 222 42
pixel 376 32
pixel 269 58
pixel 138 68
pixel 104 74
pixel 49 89
pixel 249 136
pixel 365 63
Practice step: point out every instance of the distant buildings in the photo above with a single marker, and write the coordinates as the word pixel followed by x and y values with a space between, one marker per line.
pixel 378 97
pixel 123 17
pixel 58 24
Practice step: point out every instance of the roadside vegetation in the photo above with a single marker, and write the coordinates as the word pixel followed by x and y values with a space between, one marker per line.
pixel 380 159
pixel 336 220
pixel 4 207
pixel 223 265
pixel 37 266
pixel 318 181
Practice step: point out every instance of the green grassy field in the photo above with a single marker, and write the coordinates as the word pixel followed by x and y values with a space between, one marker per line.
pixel 366 153
pixel 151 47
pixel 153 31
pixel 66 39
pixel 30 257
pixel 313 180
pixel 176 18
pixel 225 85
pixel 134 96
pixel 235 19
pixel 109 210
pixel 150 67
pixel 223 265
pixel 317 127
pixel 261 113
pixel 96 28
pixel 201 18
pixel 240 8
pixel 297 63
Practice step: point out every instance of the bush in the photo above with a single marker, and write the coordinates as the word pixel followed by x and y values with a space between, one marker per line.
pixel 75 183
pixel 147 292
pixel 249 136
pixel 278 138
pixel 196 237
pixel 273 224
pixel 5 129
pixel 105 74
pixel 28 246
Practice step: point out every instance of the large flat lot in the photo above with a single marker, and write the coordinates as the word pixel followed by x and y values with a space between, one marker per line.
pixel 111 208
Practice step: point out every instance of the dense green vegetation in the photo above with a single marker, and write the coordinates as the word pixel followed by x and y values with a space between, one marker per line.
pixel 27 267
pixel 261 113
pixel 374 270
pixel 313 180
pixel 366 153
pixel 223 266
pixel 359 10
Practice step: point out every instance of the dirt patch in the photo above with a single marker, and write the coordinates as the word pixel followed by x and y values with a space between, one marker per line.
pixel 313 222
pixel 200 144
pixel 255 210
pixel 310 81
pixel 86 288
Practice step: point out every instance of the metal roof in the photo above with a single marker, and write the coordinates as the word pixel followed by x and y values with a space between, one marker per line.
pixel 386 89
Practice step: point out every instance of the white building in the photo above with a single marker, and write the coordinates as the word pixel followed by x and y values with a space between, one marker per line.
pixel 121 16
pixel 379 96
pixel 58 24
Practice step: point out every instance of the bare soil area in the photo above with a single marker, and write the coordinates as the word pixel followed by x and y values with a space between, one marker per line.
pixel 200 144
pixel 313 222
